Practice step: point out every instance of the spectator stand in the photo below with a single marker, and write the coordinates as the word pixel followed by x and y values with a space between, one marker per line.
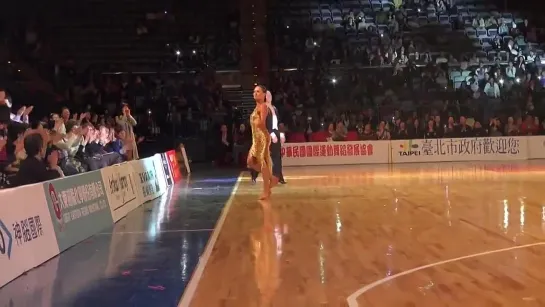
pixel 432 76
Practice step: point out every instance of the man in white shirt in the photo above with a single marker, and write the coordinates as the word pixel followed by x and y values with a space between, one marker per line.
pixel 277 138
pixel 276 142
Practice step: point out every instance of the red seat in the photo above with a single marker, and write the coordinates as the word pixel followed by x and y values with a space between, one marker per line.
pixel 296 137
pixel 352 136
pixel 320 136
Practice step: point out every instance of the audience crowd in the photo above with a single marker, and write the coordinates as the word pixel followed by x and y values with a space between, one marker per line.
pixel 32 151
pixel 97 131
pixel 385 70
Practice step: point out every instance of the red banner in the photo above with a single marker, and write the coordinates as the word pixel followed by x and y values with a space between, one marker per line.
pixel 174 165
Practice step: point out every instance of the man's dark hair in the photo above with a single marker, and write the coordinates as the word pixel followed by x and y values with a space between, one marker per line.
pixel 33 144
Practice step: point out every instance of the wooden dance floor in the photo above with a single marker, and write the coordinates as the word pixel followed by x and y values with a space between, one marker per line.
pixel 442 234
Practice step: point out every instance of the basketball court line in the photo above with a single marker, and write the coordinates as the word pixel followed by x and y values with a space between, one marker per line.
pixel 189 292
pixel 352 299
pixel 162 231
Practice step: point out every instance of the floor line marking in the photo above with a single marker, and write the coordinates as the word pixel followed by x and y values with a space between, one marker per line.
pixel 352 299
pixel 162 231
pixel 191 288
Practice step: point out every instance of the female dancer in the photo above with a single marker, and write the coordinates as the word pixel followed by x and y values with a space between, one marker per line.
pixel 259 157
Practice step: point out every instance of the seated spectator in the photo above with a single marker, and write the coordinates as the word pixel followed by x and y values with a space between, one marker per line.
pixel 382 132
pixel 478 130
pixel 401 133
pixel 34 169
pixel 511 71
pixel 430 130
pixel 71 145
pixel 95 155
pixel 492 89
pixel 511 129
pixel 366 133
pixel 529 126
pixel 116 143
pixel 503 29
pixel 491 22
pixel 340 132
pixel 463 129
pixel 52 155
pixel 494 131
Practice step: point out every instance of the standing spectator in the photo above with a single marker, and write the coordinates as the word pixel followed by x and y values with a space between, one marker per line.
pixel 128 123
pixel 241 143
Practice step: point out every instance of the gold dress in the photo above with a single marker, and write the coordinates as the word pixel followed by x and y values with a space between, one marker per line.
pixel 261 142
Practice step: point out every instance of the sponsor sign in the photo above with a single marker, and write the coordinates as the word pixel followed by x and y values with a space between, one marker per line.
pixel 335 153
pixel 78 206
pixel 147 181
pixel 27 237
pixel 160 173
pixel 536 147
pixel 166 168
pixel 459 149
pixel 174 165
pixel 409 148
pixel 121 190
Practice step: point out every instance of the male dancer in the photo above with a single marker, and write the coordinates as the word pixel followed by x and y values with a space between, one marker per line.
pixel 276 142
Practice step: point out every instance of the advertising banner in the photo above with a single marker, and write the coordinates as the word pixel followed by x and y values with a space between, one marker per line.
pixel 160 172
pixel 335 153
pixel 121 189
pixel 536 147
pixel 148 185
pixel 166 168
pixel 27 236
pixel 174 166
pixel 461 149
pixel 78 206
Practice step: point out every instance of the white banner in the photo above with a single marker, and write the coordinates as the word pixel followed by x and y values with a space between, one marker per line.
pixel 460 149
pixel 335 153
pixel 27 237
pixel 147 182
pixel 536 147
pixel 121 188
pixel 160 171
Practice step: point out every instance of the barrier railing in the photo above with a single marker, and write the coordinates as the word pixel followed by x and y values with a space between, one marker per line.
pixel 38 222
pixel 417 150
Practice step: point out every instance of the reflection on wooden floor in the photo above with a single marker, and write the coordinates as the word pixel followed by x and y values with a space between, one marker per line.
pixel 334 230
